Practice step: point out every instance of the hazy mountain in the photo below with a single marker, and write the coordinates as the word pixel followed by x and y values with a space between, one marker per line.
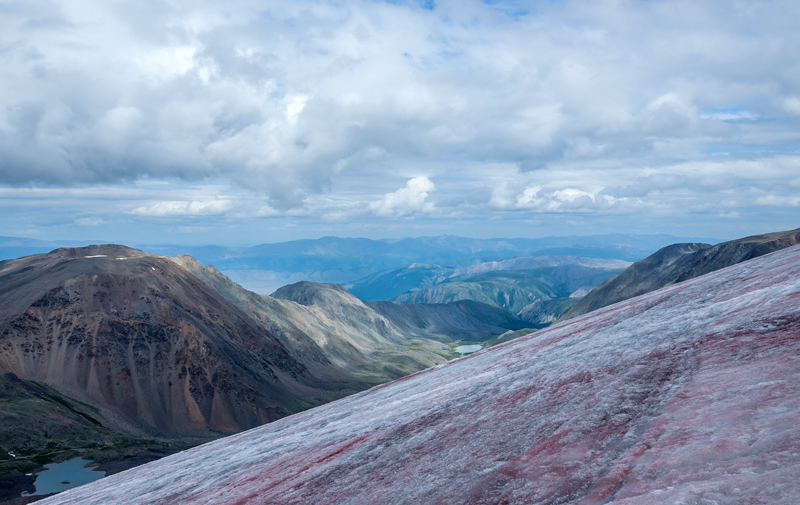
pixel 464 320
pixel 388 285
pixel 512 284
pixel 684 395
pixel 677 263
pixel 266 267
pixel 17 247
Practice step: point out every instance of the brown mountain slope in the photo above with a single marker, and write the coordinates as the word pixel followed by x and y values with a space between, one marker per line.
pixel 677 263
pixel 146 337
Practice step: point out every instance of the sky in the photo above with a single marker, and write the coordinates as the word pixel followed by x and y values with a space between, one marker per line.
pixel 243 122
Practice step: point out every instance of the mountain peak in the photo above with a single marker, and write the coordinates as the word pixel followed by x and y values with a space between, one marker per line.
pixel 313 293
pixel 99 250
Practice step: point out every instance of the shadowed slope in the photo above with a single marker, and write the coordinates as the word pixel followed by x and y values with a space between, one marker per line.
pixel 689 394
pixel 463 320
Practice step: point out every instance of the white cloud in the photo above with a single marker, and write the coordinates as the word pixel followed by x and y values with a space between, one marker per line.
pixel 194 208
pixel 530 198
pixel 407 200
pixel 778 200
pixel 279 97
pixel 90 221
pixel 535 198
pixel 730 116
pixel 792 104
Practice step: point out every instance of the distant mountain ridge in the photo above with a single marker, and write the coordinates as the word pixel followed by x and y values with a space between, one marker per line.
pixel 677 263
pixel 266 267
pixel 518 284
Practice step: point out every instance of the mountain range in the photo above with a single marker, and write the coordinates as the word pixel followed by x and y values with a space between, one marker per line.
pixel 113 353
pixel 512 284
pixel 266 267
pixel 686 394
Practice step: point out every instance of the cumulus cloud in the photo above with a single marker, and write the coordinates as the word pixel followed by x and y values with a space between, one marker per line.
pixel 535 198
pixel 90 221
pixel 405 201
pixel 792 104
pixel 780 201
pixel 177 208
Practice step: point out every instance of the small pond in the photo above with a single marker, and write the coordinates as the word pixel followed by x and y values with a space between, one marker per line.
pixel 468 349
pixel 62 476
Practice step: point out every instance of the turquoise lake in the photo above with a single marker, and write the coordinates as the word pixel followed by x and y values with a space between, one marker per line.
pixel 468 349
pixel 62 476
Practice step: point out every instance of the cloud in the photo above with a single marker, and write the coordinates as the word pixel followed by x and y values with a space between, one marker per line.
pixel 781 201
pixel 405 201
pixel 307 110
pixel 194 208
pixel 535 198
pixel 792 104
pixel 89 221
pixel 281 98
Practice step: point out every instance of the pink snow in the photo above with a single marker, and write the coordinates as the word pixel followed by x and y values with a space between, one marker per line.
pixel 690 394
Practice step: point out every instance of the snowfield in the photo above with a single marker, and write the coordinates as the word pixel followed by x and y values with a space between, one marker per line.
pixel 686 395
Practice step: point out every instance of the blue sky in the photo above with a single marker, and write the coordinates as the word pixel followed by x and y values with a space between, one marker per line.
pixel 245 122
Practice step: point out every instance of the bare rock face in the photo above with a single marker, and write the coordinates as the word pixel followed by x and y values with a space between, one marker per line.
pixel 677 263
pixel 146 337
pixel 688 394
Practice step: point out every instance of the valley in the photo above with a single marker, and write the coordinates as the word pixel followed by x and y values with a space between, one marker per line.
pixel 122 357
pixel 537 289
